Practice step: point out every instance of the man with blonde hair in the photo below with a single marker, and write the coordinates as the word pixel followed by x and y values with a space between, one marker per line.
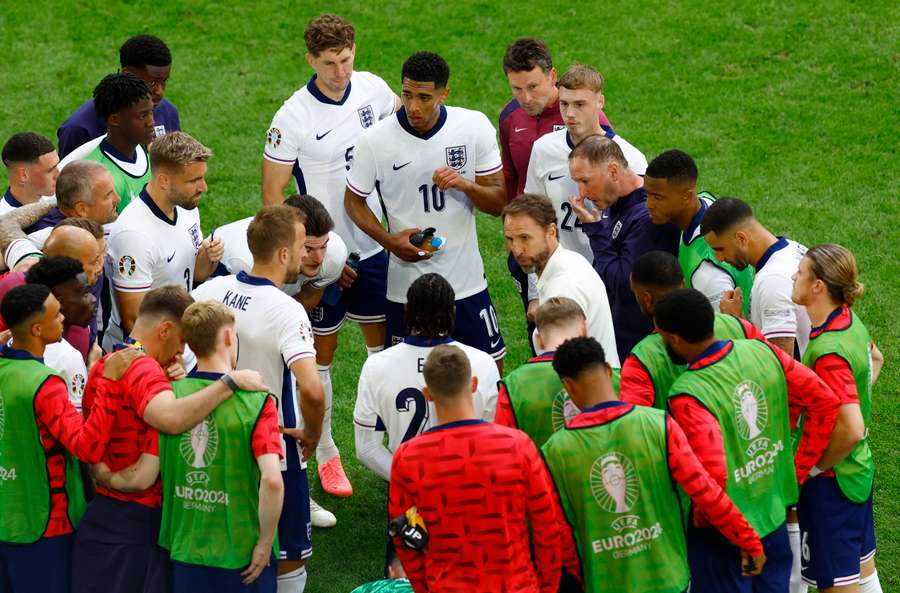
pixel 604 178
pixel 157 239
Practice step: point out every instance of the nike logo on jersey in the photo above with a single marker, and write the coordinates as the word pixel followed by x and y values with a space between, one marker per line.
pixel 520 130
pixel 171 257
pixel 323 135
pixel 494 343
pixel 552 178
pixel 398 167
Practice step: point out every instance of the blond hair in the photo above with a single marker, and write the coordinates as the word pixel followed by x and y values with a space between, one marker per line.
pixel 177 149
pixel 201 323
pixel 447 371
pixel 557 312
pixel 272 228
pixel 581 76
pixel 836 267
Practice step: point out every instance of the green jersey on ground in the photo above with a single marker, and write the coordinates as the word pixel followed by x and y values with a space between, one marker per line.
pixel 615 487
pixel 385 586
pixel 210 513
pixel 24 482
pixel 128 178
pixel 746 391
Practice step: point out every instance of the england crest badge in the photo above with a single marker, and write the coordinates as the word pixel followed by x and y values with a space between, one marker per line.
pixel 366 116
pixel 456 156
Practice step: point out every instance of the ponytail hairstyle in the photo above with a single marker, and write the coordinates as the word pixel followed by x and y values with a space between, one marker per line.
pixel 836 267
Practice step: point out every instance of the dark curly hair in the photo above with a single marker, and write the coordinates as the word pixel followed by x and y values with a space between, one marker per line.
pixel 425 66
pixel 577 355
pixel 118 91
pixel 673 165
pixel 144 50
pixel 53 271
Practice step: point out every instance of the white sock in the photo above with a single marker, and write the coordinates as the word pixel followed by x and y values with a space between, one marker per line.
pixel 327 449
pixel 870 584
pixel 374 350
pixel 292 582
pixel 797 585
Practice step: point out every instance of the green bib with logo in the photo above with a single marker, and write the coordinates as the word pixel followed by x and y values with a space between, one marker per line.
pixel 539 401
pixel 210 513
pixel 856 472
pixel 127 186
pixel 615 487
pixel 651 352
pixel 692 255
pixel 746 391
pixel 24 483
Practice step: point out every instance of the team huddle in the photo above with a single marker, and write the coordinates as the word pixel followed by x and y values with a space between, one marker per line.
pixel 695 416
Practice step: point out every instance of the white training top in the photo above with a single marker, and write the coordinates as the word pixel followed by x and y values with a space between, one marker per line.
pixel 389 397
pixel 402 162
pixel 65 359
pixel 548 175
pixel 771 308
pixel 319 134
pixel 148 250
pixel 568 274
pixel 273 333
pixel 237 256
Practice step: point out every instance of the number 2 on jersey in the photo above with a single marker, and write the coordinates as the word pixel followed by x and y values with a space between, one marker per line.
pixel 413 396
pixel 437 198
pixel 568 215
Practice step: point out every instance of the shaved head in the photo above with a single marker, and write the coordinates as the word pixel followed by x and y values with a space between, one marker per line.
pixel 79 244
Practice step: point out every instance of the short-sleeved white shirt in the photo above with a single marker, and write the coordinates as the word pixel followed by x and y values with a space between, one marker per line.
pixel 568 274
pixel 402 162
pixel 237 256
pixel 273 332
pixel 389 396
pixel 24 246
pixel 771 308
pixel 548 175
pixel 147 250
pixel 65 359
pixel 319 134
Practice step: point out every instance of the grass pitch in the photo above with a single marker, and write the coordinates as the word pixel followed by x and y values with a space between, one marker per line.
pixel 791 107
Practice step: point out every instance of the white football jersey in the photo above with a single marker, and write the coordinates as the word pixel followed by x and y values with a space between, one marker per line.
pixel 147 250
pixel 65 359
pixel 771 308
pixel 389 397
pixel 273 332
pixel 319 134
pixel 30 244
pixel 548 175
pixel 402 162
pixel 81 152
pixel 237 256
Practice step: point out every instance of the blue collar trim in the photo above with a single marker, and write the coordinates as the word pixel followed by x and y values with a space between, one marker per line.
pixel 829 320
pixel 253 280
pixel 470 422
pixel 427 342
pixel 695 222
pixel 321 97
pixel 112 151
pixel 404 123
pixel 11 199
pixel 145 197
pixel 712 349
pixel 778 245
pixel 7 351
pixel 209 375
pixel 604 405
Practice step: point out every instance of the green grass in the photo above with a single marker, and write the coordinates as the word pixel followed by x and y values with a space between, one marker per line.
pixel 791 106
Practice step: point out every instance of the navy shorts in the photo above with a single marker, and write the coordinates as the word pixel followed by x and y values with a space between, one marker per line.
pixel 41 567
pixel 191 578
pixel 716 564
pixel 116 549
pixel 364 302
pixel 836 534
pixel 476 324
pixel 295 524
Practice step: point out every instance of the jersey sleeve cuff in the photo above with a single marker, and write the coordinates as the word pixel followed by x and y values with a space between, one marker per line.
pixel 361 193
pixel 275 159
pixel 134 288
pixel 364 425
pixel 780 333
pixel 298 356
pixel 489 170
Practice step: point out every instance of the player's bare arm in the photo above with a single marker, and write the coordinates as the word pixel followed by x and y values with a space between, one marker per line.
pixel 208 256
pixel 365 219
pixel 275 177
pixel 171 415
pixel 129 303
pixel 877 362
pixel 271 498
pixel 786 344
pixel 138 476
pixel 312 405
pixel 309 296
pixel 487 192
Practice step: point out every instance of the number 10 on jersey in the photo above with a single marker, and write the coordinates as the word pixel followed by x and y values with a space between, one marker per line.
pixel 437 197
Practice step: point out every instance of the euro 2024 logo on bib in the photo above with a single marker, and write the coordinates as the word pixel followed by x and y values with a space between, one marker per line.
pixel 751 409
pixel 199 446
pixel 614 482
pixel 563 410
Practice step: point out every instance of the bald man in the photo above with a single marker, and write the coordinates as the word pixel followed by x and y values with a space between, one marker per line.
pixel 84 189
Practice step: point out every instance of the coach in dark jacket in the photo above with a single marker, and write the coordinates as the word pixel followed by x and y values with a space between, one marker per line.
pixel 618 227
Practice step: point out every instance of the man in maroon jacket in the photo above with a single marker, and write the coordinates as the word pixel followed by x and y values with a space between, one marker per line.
pixel 533 112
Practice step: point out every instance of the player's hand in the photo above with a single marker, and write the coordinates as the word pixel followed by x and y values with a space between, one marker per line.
pixel 400 246
pixel 348 277
pixel 5 336
pixel 118 363
pixel 262 552
pixel 249 380
pixel 307 441
pixel 447 177
pixel 752 565
pixel 531 310
pixel 214 249
pixel 101 473
pixel 584 215
pixel 732 302
pixel 175 371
